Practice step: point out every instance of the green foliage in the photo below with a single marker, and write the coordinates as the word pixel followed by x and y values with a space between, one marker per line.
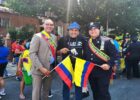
pixel 121 15
pixel 26 7
pixel 25 32
pixel 13 33
pixel 38 7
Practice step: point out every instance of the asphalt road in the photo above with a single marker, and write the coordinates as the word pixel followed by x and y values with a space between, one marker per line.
pixel 121 89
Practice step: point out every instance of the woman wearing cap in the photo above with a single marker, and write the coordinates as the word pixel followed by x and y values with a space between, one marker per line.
pixel 101 51
pixel 4 52
pixel 73 41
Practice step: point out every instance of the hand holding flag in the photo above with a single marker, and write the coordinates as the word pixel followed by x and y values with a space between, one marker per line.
pixel 79 75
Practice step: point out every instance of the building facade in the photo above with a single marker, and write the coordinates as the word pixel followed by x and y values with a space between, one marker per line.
pixel 9 18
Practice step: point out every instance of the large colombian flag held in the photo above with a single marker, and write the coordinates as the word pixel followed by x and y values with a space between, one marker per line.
pixel 65 71
pixel 81 73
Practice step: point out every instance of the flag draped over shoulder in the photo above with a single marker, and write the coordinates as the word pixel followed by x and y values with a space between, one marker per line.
pixel 26 61
pixel 65 71
pixel 81 73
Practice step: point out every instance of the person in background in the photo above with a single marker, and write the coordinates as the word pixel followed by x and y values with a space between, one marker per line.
pixel 126 42
pixel 133 58
pixel 115 42
pixel 13 47
pixel 4 52
pixel 20 47
pixel 21 68
pixel 28 43
pixel 117 61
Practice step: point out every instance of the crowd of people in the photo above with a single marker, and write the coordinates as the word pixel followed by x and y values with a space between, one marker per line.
pixel 128 57
pixel 36 57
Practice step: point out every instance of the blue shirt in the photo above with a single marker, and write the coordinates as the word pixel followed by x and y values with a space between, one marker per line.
pixel 117 46
pixel 4 52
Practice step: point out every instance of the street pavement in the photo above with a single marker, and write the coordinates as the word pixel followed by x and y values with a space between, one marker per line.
pixel 121 89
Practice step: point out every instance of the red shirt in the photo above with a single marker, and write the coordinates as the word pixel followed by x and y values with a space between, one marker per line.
pixel 14 46
pixel 20 48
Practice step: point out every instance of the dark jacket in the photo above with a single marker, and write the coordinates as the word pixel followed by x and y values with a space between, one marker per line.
pixel 109 49
pixel 71 43
pixel 133 51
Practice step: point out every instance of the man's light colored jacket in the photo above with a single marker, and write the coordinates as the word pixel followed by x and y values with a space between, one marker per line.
pixel 40 53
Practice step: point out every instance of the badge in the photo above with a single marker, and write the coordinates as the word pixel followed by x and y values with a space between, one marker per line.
pixel 74 52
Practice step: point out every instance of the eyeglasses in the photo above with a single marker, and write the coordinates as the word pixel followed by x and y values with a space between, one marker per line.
pixel 49 24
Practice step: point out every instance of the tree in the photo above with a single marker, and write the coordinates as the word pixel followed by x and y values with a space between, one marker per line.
pixel 122 15
pixel 26 32
pixel 27 7
pixel 38 7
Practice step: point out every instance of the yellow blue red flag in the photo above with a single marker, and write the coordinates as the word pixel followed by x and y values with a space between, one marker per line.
pixel 26 61
pixel 65 71
pixel 82 71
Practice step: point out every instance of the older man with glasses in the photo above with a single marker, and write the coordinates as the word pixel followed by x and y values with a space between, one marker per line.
pixel 42 54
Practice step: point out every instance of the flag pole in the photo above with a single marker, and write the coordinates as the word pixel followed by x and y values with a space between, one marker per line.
pixel 51 70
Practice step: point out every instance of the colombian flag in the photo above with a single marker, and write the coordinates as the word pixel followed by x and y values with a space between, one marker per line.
pixel 26 61
pixel 81 73
pixel 65 71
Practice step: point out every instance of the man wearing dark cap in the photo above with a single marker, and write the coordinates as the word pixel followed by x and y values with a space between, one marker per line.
pixel 101 51
pixel 73 41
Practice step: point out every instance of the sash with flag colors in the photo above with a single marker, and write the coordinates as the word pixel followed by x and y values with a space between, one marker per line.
pixel 65 71
pixel 51 42
pixel 81 73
